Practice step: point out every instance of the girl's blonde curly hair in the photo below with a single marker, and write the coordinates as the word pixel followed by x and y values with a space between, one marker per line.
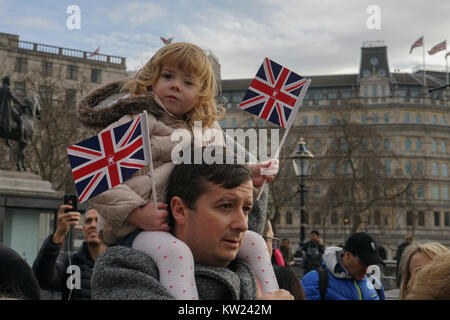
pixel 192 60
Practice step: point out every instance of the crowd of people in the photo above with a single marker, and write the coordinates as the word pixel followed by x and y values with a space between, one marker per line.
pixel 207 237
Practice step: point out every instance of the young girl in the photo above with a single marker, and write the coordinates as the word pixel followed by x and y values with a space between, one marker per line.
pixel 177 87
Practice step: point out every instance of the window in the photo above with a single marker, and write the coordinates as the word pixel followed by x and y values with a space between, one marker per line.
pixel 71 98
pixel 407 144
pixel 236 97
pixel 444 170
pixel 288 217
pixel 386 220
pixel 377 218
pixel 365 91
pixel 96 75
pixel 363 118
pixel 418 118
pixel 445 193
pixel 418 144
pixel 387 144
pixel 413 92
pixel 21 65
pixel 443 120
pixel 305 217
pixel 433 120
pixel 346 94
pixel 421 219
pixel 444 147
pixel 420 192
pixel 250 123
pixel 420 168
pixel 332 120
pixel 332 95
pixel 436 194
pixel 19 89
pixel 437 219
pixel 435 169
pixel 316 120
pixel 233 122
pixel 46 94
pixel 47 68
pixel 408 167
pixel 386 118
pixel 72 72
pixel 388 167
pixel 334 218
pixel 223 123
pixel 409 218
pixel 375 118
pixel 434 145
pixel 261 122
pixel 406 118
pixel 316 218
pixel 447 219
pixel 305 120
pixel 374 91
pixel 383 91
pixel 316 146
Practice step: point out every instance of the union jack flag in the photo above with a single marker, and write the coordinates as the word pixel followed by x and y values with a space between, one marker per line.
pixel 273 93
pixel 106 160
pixel 438 47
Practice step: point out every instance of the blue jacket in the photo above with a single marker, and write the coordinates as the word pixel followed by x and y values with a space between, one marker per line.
pixel 340 285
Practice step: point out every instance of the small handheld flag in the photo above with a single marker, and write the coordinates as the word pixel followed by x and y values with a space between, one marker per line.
pixel 273 93
pixel 108 159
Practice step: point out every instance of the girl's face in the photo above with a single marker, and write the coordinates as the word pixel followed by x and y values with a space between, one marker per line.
pixel 177 90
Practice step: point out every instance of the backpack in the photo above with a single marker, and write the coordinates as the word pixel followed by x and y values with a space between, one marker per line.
pixel 323 283
pixel 313 257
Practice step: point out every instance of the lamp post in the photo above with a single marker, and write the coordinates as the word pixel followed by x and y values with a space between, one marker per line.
pixel 300 159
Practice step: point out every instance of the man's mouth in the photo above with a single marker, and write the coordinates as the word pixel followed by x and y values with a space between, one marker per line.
pixel 232 243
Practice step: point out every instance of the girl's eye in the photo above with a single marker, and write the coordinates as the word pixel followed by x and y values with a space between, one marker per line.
pixel 166 75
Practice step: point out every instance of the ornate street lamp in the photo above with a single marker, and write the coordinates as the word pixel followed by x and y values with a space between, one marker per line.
pixel 301 161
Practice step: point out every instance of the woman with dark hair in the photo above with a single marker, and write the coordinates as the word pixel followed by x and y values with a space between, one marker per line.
pixel 288 281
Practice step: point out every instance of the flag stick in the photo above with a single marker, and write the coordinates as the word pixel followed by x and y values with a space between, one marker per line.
pixel 424 77
pixel 148 153
pixel 297 106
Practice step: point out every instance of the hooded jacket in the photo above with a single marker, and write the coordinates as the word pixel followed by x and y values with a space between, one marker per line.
pixel 341 286
pixel 107 107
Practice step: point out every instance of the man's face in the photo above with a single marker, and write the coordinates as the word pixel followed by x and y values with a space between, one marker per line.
pixel 90 227
pixel 314 237
pixel 214 228
pixel 285 244
pixel 355 267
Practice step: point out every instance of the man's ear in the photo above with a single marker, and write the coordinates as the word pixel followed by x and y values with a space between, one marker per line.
pixel 179 210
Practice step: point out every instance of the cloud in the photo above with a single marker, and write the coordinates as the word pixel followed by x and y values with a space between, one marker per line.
pixel 37 23
pixel 137 14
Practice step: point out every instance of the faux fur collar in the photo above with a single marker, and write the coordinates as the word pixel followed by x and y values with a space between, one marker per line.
pixel 107 104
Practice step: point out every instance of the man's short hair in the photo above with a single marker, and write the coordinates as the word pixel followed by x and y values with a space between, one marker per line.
pixel 188 181
pixel 316 232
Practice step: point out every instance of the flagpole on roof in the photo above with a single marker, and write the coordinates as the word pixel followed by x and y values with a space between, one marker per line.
pixel 289 124
pixel 424 77
pixel 148 153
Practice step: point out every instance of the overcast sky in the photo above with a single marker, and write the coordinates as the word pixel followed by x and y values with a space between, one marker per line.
pixel 311 37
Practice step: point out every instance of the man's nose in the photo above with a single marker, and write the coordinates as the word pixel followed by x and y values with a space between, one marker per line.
pixel 240 222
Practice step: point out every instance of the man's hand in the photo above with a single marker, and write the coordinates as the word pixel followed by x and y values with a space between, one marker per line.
pixel 278 295
pixel 65 220
pixel 150 219
pixel 264 171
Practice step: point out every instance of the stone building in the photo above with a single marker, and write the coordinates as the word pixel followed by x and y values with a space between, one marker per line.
pixel 413 125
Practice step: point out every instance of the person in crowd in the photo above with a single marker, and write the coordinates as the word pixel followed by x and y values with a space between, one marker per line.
pixel 209 207
pixel 312 252
pixel 343 274
pixel 51 266
pixel 414 258
pixel 432 282
pixel 398 256
pixel 17 280
pixel 287 280
pixel 285 249
pixel 177 88
pixel 272 244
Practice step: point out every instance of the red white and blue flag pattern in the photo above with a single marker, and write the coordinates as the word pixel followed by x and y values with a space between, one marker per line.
pixel 273 93
pixel 107 159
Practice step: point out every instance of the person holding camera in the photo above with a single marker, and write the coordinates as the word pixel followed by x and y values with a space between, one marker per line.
pixel 53 268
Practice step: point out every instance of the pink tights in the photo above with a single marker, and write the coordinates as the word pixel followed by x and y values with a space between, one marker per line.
pixel 176 264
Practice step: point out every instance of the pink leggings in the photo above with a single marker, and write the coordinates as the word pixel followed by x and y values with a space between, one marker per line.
pixel 176 264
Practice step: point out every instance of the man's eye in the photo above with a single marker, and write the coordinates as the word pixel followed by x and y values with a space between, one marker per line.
pixel 247 209
pixel 226 205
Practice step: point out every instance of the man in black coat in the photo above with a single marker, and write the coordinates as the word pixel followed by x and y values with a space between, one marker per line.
pixel 312 252
pixel 52 267
pixel 398 256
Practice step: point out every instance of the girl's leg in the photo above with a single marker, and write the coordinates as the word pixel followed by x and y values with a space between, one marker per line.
pixel 254 250
pixel 174 260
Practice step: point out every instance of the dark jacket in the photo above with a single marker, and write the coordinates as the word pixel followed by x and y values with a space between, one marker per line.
pixel 313 256
pixel 50 268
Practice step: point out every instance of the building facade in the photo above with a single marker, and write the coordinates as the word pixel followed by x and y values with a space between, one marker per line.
pixel 412 127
